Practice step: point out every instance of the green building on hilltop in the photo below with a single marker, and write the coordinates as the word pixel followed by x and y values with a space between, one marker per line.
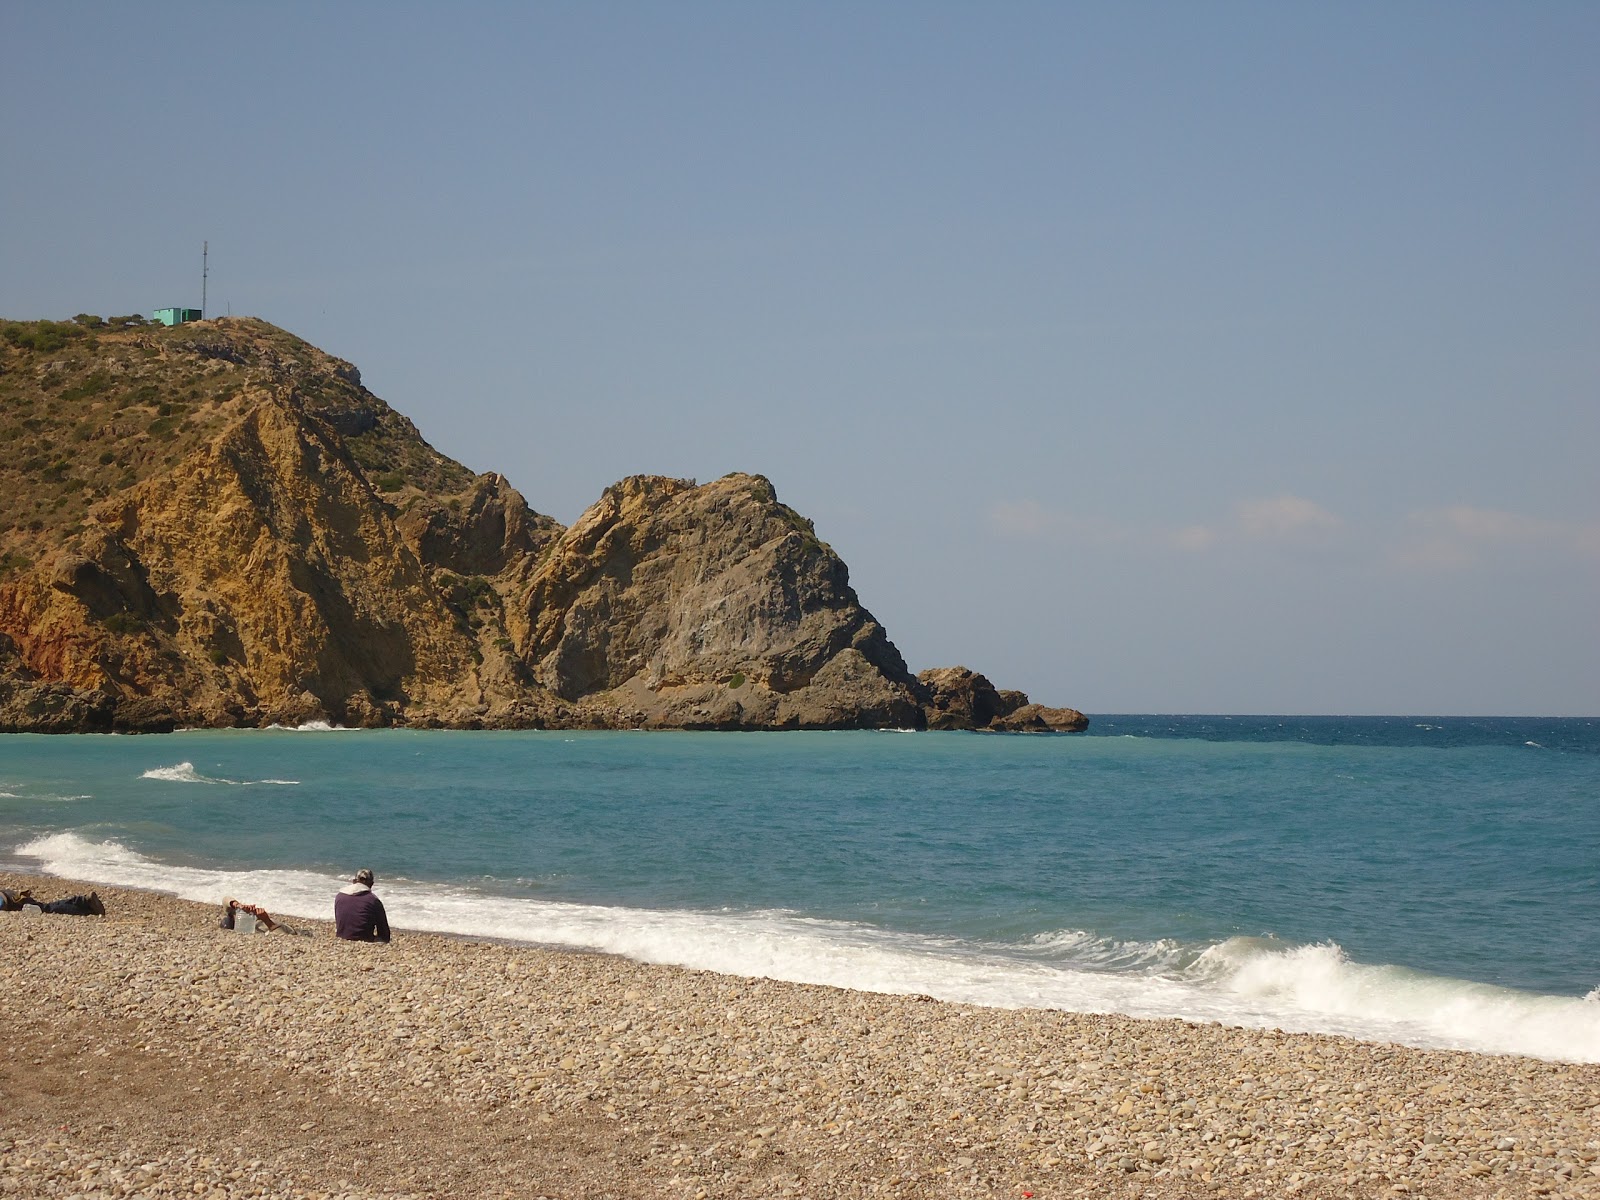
pixel 175 316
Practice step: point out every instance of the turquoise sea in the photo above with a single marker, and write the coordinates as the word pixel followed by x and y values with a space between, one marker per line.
pixel 1432 881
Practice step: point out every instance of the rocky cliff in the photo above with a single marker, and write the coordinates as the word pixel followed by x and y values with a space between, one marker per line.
pixel 217 524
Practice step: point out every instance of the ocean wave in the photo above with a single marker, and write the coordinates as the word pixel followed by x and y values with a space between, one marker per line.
pixel 184 772
pixel 302 893
pixel 310 727
pixel 1091 951
pixel 1320 982
pixel 1251 982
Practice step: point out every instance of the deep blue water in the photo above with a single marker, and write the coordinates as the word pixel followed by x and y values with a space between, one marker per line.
pixel 1430 880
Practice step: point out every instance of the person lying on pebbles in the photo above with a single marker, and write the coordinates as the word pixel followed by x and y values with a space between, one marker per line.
pixel 75 906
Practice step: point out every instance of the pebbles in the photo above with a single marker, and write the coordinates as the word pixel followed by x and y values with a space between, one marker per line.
pixel 712 1085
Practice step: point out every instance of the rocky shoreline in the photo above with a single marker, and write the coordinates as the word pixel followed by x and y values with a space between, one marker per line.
pixel 151 1054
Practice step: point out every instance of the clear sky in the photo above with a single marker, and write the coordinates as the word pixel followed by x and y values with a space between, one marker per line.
pixel 1144 356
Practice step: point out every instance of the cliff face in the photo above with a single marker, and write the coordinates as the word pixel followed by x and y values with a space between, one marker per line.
pixel 709 607
pixel 218 525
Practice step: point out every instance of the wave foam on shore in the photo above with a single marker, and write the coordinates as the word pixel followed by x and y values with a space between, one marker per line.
pixel 1249 982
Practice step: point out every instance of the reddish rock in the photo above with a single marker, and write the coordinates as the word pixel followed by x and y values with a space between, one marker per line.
pixel 252 537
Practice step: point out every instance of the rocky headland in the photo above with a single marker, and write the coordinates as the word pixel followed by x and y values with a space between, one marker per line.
pixel 217 524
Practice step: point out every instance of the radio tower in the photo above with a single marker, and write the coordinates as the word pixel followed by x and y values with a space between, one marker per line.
pixel 205 269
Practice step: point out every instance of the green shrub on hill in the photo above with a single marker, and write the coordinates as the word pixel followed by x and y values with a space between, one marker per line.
pixel 124 623
pixel 97 382
pixel 42 337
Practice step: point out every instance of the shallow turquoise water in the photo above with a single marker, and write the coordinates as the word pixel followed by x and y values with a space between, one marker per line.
pixel 1362 875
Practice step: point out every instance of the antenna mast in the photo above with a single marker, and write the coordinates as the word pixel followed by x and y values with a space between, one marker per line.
pixel 205 269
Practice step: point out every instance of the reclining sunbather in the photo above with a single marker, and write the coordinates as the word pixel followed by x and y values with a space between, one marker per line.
pixel 75 906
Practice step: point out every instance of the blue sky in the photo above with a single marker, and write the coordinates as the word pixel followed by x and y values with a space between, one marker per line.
pixel 1146 357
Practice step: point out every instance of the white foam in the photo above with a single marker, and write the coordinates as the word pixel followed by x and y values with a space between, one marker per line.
pixel 1090 951
pixel 1250 982
pixel 182 773
pixel 185 773
pixel 302 893
pixel 310 727
pixel 1319 987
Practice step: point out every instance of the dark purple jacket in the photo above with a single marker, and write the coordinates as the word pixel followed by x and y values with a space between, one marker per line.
pixel 358 916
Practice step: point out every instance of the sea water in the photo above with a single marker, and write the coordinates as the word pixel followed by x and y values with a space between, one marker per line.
pixel 1434 882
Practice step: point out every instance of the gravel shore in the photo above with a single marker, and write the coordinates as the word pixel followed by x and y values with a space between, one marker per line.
pixel 151 1054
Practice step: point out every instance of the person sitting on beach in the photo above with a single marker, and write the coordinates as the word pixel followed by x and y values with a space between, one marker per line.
pixel 262 921
pixel 231 909
pixel 358 915
pixel 73 906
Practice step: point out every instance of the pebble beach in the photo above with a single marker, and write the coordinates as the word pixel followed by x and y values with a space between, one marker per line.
pixel 150 1053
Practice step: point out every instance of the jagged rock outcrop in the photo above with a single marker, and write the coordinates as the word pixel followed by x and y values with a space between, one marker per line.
pixel 240 533
pixel 957 698
pixel 716 607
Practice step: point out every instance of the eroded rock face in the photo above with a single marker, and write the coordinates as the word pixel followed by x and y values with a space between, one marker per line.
pixel 709 607
pixel 1039 718
pixel 958 698
pixel 284 547
pixel 259 580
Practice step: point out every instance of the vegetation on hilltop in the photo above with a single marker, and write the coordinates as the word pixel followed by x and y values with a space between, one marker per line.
pixel 94 407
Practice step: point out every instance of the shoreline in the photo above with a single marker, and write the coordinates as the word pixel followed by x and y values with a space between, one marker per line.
pixel 150 1046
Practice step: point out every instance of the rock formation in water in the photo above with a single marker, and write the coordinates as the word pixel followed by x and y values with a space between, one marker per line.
pixel 217 525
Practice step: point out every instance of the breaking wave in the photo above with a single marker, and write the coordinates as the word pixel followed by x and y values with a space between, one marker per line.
pixel 1252 982
pixel 184 772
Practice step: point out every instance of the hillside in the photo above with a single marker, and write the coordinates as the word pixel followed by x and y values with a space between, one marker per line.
pixel 216 524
